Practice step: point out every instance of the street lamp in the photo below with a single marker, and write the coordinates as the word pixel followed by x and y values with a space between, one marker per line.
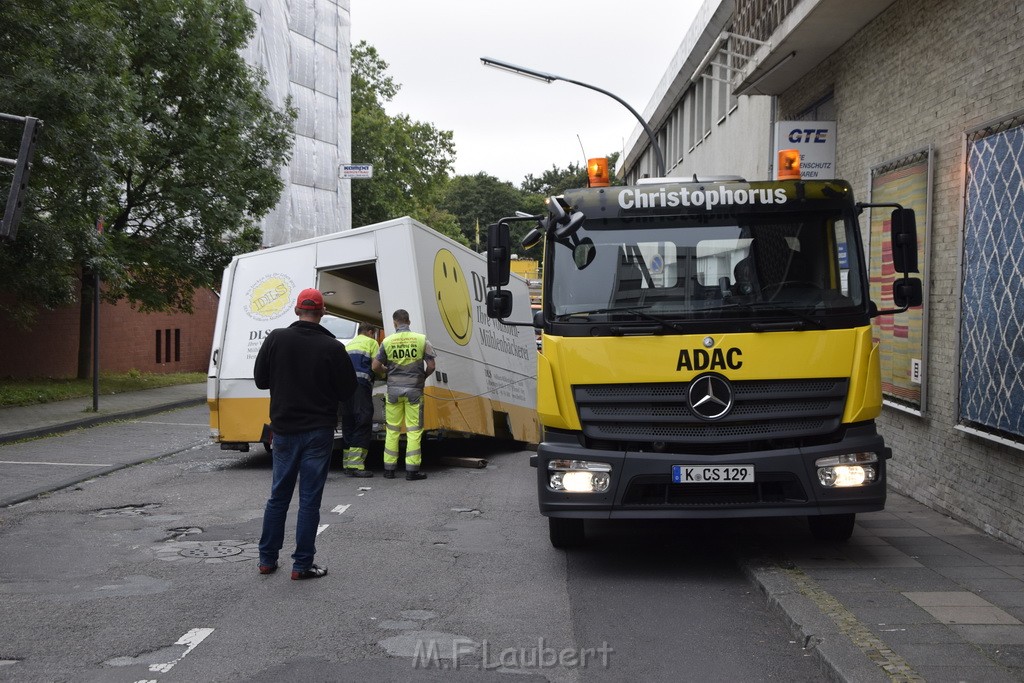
pixel 548 78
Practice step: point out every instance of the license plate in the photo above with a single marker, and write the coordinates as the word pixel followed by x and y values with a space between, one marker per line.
pixel 712 474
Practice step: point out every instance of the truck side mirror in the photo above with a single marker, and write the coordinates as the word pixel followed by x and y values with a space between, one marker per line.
pixel 904 241
pixel 499 303
pixel 907 292
pixel 499 254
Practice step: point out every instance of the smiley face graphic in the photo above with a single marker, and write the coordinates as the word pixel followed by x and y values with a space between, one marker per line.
pixel 452 292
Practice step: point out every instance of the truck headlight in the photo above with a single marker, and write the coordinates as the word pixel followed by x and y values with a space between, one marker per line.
pixel 579 476
pixel 847 470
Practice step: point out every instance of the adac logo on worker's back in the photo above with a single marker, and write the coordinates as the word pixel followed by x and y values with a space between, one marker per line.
pixel 452 292
pixel 270 297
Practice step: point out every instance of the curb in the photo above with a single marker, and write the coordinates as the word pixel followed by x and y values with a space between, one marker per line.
pixel 838 657
pixel 84 422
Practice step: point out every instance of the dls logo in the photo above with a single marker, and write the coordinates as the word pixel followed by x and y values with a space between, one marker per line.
pixel 270 297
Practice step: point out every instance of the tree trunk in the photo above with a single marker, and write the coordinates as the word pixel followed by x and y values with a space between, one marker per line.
pixel 85 326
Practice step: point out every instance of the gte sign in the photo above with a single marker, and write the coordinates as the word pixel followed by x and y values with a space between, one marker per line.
pixel 816 142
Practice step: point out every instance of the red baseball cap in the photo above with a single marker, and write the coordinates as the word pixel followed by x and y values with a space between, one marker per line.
pixel 310 300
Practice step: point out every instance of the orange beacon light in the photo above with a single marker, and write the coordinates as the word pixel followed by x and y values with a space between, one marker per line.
pixel 597 172
pixel 789 164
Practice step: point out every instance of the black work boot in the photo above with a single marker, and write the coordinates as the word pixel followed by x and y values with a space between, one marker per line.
pixel 415 475
pixel 389 474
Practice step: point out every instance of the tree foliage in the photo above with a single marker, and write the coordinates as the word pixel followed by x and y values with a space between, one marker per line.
pixel 153 121
pixel 411 159
pixel 477 201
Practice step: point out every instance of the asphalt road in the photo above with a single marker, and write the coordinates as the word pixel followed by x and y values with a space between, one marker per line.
pixel 148 573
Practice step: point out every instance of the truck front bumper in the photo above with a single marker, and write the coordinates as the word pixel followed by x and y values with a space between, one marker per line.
pixel 785 482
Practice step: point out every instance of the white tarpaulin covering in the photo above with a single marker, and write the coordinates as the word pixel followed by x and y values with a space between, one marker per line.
pixel 304 46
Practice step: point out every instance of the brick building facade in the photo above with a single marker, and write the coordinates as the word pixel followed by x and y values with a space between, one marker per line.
pixel 129 340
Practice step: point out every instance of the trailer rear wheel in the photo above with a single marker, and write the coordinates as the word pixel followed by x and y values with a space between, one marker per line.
pixel 565 533
pixel 832 527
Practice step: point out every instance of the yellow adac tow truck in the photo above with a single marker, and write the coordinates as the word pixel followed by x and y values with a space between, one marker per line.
pixel 707 352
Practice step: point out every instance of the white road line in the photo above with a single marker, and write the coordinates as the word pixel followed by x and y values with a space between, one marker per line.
pixel 340 509
pixel 192 639
pixel 320 529
pixel 69 464
pixel 173 424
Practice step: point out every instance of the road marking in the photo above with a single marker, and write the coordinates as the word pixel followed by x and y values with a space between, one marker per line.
pixel 192 639
pixel 340 509
pixel 321 528
pixel 69 464
pixel 173 424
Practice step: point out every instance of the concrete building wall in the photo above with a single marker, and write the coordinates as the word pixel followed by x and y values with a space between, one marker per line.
pixel 700 126
pixel 926 73
pixel 305 49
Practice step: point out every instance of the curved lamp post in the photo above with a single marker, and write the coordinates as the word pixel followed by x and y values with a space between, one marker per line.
pixel 548 78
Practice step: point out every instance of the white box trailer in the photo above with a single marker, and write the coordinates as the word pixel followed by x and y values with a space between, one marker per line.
pixel 485 383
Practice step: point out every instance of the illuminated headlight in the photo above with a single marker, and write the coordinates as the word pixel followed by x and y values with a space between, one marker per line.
pixel 579 476
pixel 847 470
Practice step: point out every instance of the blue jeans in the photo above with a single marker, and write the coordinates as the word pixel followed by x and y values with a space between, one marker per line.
pixel 307 458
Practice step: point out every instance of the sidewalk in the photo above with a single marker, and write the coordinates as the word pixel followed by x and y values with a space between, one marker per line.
pixel 24 422
pixel 913 596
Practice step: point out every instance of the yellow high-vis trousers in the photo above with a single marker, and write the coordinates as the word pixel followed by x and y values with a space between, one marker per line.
pixel 412 413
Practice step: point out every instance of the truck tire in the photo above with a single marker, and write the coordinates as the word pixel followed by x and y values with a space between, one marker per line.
pixel 832 527
pixel 565 533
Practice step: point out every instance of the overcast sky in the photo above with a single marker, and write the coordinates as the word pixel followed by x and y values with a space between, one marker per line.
pixel 506 125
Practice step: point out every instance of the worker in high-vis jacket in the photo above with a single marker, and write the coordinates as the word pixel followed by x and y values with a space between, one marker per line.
pixel 357 412
pixel 408 358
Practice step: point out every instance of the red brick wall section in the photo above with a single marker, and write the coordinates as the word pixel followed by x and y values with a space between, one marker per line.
pixel 127 340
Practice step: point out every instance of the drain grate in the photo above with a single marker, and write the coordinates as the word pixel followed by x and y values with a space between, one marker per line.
pixel 210 551
pixel 206 552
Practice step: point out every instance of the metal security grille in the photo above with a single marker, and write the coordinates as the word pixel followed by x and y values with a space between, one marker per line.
pixel 660 413
pixel 992 297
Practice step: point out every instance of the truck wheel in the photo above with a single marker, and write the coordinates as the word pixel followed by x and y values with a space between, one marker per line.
pixel 832 527
pixel 565 533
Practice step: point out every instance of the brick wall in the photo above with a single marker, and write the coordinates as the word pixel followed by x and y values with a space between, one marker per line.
pixel 924 73
pixel 127 340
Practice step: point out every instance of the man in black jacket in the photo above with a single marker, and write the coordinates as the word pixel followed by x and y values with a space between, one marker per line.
pixel 308 373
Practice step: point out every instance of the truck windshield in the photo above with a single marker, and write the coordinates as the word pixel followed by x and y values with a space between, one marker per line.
pixel 738 265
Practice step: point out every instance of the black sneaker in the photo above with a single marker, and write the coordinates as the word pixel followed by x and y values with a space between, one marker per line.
pixel 361 474
pixel 415 476
pixel 314 572
pixel 389 474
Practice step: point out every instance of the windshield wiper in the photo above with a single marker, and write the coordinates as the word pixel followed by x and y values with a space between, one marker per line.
pixel 635 310
pixel 762 306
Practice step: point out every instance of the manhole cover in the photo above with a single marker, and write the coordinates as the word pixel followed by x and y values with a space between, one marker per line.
pixel 206 552
pixel 210 551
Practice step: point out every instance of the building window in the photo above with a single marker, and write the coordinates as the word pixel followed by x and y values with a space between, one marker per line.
pixel 164 345
pixel 822 110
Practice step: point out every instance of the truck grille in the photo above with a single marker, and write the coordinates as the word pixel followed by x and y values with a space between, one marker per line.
pixel 763 410
pixel 775 488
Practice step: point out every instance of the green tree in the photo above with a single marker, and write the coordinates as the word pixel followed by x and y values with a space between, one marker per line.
pixel 477 201
pixel 153 121
pixel 411 159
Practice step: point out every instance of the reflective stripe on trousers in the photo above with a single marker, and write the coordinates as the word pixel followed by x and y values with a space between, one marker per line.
pixel 412 413
pixel 354 458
